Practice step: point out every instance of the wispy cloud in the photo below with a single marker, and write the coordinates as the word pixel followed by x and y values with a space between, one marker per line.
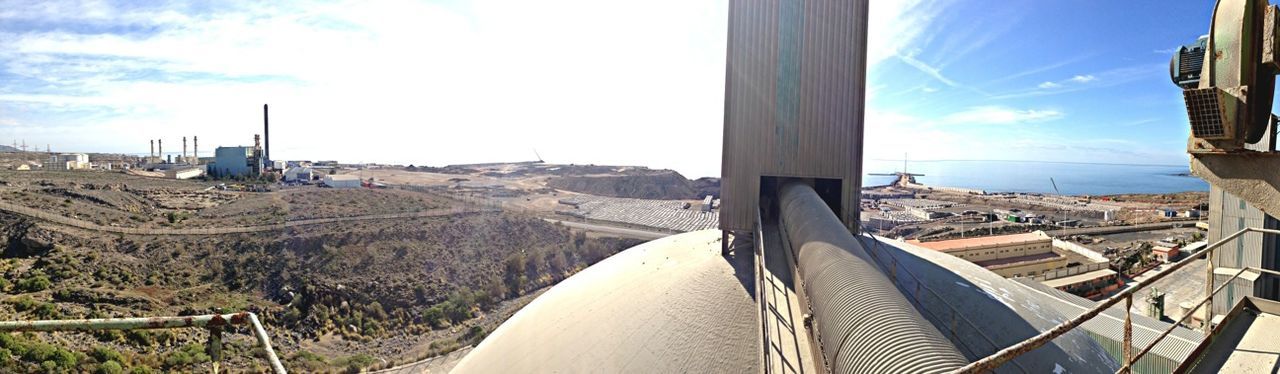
pixel 1080 82
pixel 1038 69
pixel 931 71
pixel 897 26
pixel 1083 78
pixel 927 89
pixel 999 115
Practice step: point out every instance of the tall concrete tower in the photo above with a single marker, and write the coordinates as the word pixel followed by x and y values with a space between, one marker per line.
pixel 153 150
pixel 795 87
pixel 160 147
pixel 184 149
pixel 195 150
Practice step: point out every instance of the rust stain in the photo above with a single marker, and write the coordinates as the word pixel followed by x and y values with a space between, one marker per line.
pixel 217 320
pixel 240 318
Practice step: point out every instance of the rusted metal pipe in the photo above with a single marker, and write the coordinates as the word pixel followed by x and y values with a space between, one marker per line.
pixel 1128 334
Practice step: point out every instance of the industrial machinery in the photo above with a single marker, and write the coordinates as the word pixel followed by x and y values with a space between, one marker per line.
pixel 1228 81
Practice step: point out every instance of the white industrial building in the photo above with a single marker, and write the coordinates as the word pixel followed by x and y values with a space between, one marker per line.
pixel 298 173
pixel 342 181
pixel 69 161
pixel 184 173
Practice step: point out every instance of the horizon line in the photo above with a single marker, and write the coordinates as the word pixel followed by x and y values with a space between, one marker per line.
pixel 1035 161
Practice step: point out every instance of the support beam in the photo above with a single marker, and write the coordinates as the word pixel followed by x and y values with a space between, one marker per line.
pixel 1251 176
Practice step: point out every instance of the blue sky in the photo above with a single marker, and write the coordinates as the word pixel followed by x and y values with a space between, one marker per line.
pixel 580 81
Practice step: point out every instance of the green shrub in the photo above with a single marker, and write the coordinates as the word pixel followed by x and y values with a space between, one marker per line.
pixel 37 352
pixel 104 354
pixel 65 359
pixel 140 338
pixel 23 303
pixel 142 369
pixel 47 311
pixel 110 367
pixel 434 315
pixel 35 283
pixel 5 356
pixel 49 366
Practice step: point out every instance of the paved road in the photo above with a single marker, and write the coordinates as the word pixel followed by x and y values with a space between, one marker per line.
pixel 1119 229
pixel 35 213
pixel 619 231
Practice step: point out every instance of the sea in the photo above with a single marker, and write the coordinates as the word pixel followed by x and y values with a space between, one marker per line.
pixel 1041 176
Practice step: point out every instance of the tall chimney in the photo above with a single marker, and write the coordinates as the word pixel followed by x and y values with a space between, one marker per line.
pixel 184 149
pixel 160 148
pixel 266 138
pixel 195 150
pixel 153 150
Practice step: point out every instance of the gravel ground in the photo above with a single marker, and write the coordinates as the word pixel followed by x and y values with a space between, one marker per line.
pixel 663 214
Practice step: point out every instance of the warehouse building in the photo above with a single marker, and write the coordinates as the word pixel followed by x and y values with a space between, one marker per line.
pixel 1015 255
pixel 184 173
pixel 342 181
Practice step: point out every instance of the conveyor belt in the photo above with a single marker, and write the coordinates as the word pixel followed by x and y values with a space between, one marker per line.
pixel 865 325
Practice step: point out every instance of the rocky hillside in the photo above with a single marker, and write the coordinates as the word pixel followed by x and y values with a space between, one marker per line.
pixel 343 296
pixel 658 185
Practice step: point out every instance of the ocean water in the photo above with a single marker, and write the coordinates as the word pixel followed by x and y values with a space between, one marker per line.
pixel 1034 176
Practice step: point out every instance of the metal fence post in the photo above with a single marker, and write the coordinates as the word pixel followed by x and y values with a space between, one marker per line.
pixel 215 346
pixel 1208 293
pixel 1128 334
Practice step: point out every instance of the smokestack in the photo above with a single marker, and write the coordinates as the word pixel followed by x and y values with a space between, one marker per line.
pixel 266 138
pixel 153 149
pixel 184 148
pixel 195 150
pixel 160 148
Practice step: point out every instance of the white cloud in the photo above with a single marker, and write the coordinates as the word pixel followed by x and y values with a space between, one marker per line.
pixel 999 115
pixel 1083 78
pixel 1048 85
pixel 8 122
pixel 398 81
pixel 928 89
pixel 896 26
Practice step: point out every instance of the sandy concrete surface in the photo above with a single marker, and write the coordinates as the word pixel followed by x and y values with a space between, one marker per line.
pixel 673 305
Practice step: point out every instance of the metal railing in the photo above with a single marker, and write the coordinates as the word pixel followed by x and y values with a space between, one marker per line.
pixel 990 363
pixel 215 323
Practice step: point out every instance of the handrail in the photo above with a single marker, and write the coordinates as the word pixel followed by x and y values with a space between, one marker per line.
pixel 990 363
pixel 213 322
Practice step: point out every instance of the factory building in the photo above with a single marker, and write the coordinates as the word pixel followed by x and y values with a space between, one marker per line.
pixel 794 98
pixel 69 161
pixel 342 181
pixel 298 174
pixel 236 161
pixel 1015 255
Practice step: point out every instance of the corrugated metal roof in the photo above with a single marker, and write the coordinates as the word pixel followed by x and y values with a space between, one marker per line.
pixel 967 243
pixel 1110 324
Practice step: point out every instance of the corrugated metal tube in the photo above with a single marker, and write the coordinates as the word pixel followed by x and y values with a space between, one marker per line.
pixel 865 324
